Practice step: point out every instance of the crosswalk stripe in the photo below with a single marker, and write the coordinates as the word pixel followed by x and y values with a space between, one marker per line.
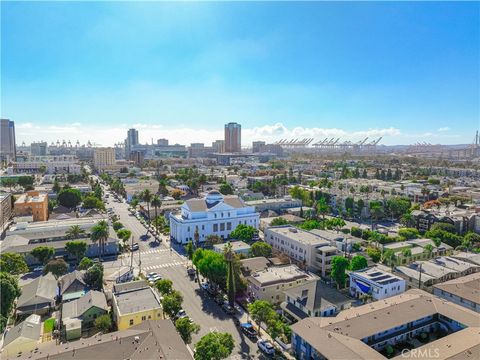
pixel 161 266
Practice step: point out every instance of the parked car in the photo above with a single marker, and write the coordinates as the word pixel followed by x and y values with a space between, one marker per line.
pixel 191 271
pixel 220 299
pixel 266 347
pixel 227 308
pixel 144 237
pixel 248 330
pixel 181 314
pixel 151 274
pixel 135 247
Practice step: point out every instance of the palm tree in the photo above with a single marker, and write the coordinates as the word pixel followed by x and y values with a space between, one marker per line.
pixel 147 197
pixel 322 207
pixel 100 233
pixel 229 257
pixel 156 203
pixel 74 232
pixel 376 211
pixel 428 250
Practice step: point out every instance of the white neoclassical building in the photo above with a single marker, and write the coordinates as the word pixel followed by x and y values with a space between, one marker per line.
pixel 214 214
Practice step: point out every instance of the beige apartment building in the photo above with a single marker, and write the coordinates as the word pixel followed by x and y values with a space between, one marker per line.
pixel 104 158
pixel 32 203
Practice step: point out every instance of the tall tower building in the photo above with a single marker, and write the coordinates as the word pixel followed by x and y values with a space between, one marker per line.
pixel 8 148
pixel 130 141
pixel 233 138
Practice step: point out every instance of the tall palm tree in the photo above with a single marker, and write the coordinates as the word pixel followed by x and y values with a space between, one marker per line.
pixel 100 233
pixel 147 197
pixel 376 211
pixel 74 232
pixel 229 257
pixel 156 203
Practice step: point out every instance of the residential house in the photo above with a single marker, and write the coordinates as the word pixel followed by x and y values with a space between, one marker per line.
pixel 38 296
pixel 23 337
pixel 72 285
pixel 376 283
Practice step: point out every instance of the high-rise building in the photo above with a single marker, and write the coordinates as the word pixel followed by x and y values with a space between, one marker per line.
pixel 218 146
pixel 8 148
pixel 38 148
pixel 233 138
pixel 130 141
pixel 257 146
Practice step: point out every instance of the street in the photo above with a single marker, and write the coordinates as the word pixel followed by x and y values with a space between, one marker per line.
pixel 168 263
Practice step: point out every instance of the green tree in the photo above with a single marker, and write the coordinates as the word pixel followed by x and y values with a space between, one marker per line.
pixel 231 290
pixel 278 221
pixel 211 265
pixel 214 346
pixel 117 225
pixel 103 323
pixel 243 232
pixel 226 189
pixel 409 233
pixel 186 328
pixel 147 197
pixel 85 263
pixel 376 212
pixel 94 276
pixel 156 203
pixel 9 291
pixel 92 202
pixel 339 265
pixel 99 233
pixel 389 257
pixel 74 232
pixel 57 267
pixel 172 303
pixel 322 207
pixel 124 234
pixel 189 250
pixel 374 253
pixel 261 312
pixel 69 197
pixel 56 186
pixel 76 248
pixel 358 262
pixel 164 286
pixel 261 248
pixel 43 253
pixel 13 263
pixel 444 227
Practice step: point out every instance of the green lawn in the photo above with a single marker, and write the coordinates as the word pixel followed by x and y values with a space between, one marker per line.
pixel 48 325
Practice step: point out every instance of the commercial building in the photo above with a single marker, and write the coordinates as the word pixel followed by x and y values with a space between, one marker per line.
pixel 270 283
pixel 366 332
pixel 130 141
pixel 34 204
pixel 8 148
pixel 5 210
pixel 313 298
pixel 104 158
pixel 135 302
pixel 233 138
pixel 215 214
pixel 38 148
pixel 278 205
pixel 50 164
pixel 218 146
pixel 464 291
pixel 313 251
pixel 376 283
pixel 149 340
pixel 22 338
pixel 238 247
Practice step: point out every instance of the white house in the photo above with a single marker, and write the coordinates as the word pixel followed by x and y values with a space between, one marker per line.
pixel 215 214
pixel 375 282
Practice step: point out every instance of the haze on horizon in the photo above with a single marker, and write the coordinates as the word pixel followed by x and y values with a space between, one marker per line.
pixel 90 70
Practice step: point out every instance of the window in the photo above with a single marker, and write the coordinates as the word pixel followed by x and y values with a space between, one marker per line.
pixel 229 226
pixel 215 227
pixel 149 316
pixel 203 227
pixel 131 322
pixel 222 227
pixel 144 318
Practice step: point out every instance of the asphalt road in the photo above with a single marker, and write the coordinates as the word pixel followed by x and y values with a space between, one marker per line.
pixel 170 264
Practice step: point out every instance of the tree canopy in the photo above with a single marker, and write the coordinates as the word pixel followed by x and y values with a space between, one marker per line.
pixel 69 197
pixel 261 248
pixel 76 248
pixel 214 346
pixel 43 253
pixel 186 328
pixel 172 303
pixel 358 262
pixel 243 232
pixel 94 276
pixel 339 265
pixel 13 263
pixel 57 267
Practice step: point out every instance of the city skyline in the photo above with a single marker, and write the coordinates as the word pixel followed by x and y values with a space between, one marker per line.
pixel 406 71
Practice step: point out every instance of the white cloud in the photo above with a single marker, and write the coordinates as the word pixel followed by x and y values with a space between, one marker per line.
pixel 443 129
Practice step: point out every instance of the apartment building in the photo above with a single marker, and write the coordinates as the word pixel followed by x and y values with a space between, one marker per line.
pixel 214 214
pixel 135 302
pixel 311 250
pixel 32 203
pixel 277 204
pixel 5 210
pixel 51 164
pixel 365 332
pixel 270 283
pixel 376 283
pixel 104 158
pixel 464 291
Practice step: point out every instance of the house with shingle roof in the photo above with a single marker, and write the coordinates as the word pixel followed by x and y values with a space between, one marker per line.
pixel 22 338
pixel 38 296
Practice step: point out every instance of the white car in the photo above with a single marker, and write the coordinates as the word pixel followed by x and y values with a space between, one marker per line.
pixel 266 347
pixel 151 274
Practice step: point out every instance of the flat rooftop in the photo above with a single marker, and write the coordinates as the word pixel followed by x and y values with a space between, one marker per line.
pixel 137 300
pixel 302 236
pixel 466 287
pixel 378 276
pixel 280 275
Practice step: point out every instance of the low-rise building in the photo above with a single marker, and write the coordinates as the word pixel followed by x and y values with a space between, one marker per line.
pixel 22 338
pixel 5 210
pixel 135 302
pixel 38 296
pixel 365 332
pixel 464 291
pixel 313 298
pixel 72 286
pixel 275 204
pixel 270 283
pixel 57 164
pixel 213 215
pixel 238 247
pixel 34 204
pixel 305 248
pixel 84 309
pixel 376 283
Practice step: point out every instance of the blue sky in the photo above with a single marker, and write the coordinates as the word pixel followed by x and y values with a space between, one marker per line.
pixel 83 70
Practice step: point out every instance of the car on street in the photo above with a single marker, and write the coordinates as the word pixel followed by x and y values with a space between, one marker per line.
pixel 248 330
pixel 135 247
pixel 191 271
pixel 151 274
pixel 227 308
pixel 181 314
pixel 145 237
pixel 266 346
pixel 38 268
